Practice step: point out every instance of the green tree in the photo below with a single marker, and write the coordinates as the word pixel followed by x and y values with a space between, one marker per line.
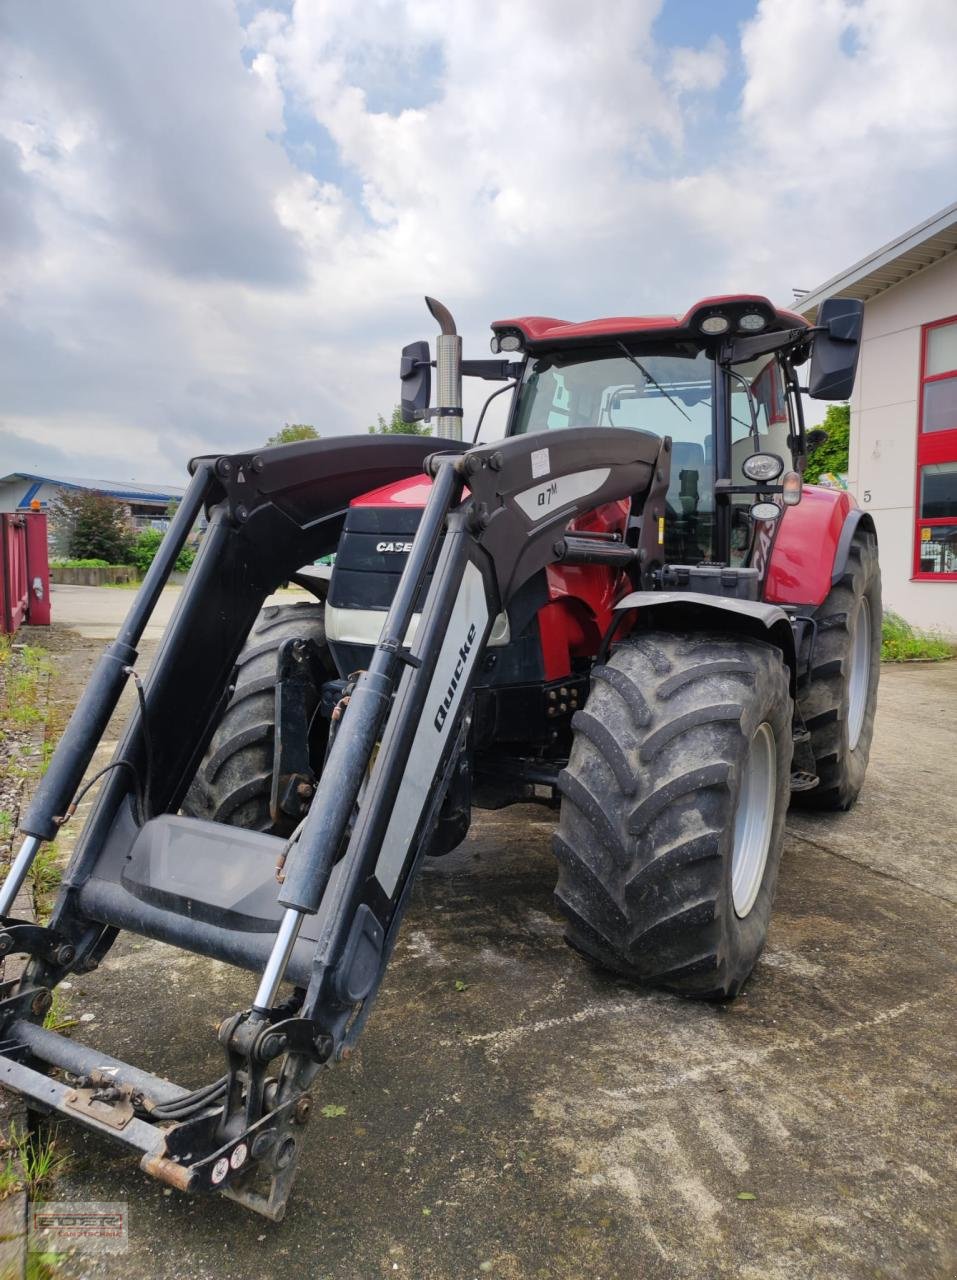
pixel 293 431
pixel 394 426
pixel 833 454
pixel 91 526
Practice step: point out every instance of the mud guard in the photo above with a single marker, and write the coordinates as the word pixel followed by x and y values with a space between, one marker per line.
pixel 692 610
pixel 811 546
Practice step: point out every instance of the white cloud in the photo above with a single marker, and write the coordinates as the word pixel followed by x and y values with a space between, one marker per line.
pixel 199 248
pixel 693 70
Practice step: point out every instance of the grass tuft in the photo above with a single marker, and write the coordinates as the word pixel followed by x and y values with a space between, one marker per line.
pixel 900 642
pixel 58 1016
pixel 39 1159
pixel 45 876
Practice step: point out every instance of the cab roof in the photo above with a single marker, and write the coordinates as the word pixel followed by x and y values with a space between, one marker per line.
pixel 547 331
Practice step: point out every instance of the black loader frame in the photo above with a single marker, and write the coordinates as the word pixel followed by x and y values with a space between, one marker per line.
pixel 345 875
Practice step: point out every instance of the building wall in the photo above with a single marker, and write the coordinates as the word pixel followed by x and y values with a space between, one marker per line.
pixel 883 456
pixel 12 493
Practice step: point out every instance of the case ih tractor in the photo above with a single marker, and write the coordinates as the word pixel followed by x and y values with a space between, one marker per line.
pixel 629 608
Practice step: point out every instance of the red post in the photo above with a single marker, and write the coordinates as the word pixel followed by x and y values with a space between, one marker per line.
pixel 38 570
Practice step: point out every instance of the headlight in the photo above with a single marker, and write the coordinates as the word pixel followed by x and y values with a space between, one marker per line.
pixel 714 325
pixel 496 344
pixel 765 511
pixel 752 322
pixel 762 466
pixel 510 342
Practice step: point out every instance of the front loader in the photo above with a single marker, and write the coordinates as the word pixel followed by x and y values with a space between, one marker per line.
pixel 628 622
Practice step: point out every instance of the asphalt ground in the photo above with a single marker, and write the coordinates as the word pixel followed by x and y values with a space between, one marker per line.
pixel 512 1112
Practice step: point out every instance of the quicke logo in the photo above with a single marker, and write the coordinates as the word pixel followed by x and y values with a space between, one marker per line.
pixel 443 711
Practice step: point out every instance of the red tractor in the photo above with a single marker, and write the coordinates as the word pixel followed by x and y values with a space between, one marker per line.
pixel 630 608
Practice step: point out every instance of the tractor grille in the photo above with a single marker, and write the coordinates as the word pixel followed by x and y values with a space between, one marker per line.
pixel 370 558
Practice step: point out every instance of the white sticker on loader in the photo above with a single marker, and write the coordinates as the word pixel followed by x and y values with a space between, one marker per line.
pixel 460 648
pixel 540 463
pixel 542 499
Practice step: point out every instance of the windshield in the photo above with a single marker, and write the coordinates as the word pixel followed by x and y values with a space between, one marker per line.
pixel 667 393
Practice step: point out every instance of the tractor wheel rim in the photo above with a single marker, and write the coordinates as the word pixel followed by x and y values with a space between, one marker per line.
pixel 860 678
pixel 754 820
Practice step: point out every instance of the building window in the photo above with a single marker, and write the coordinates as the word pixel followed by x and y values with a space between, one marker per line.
pixel 935 542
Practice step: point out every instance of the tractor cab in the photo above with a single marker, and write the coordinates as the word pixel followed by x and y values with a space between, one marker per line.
pixel 720 381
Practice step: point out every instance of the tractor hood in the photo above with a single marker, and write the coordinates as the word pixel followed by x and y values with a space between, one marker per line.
pixel 411 492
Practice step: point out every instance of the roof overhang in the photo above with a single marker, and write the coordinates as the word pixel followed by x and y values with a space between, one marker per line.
pixel 916 250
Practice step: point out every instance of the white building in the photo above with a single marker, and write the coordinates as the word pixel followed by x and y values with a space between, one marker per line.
pixel 903 456
pixel 147 505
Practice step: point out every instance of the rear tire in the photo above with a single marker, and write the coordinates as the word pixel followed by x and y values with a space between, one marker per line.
pixel 233 783
pixel 682 743
pixel 839 704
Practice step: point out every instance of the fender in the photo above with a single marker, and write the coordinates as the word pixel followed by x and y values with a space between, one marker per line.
pixel 693 609
pixel 810 550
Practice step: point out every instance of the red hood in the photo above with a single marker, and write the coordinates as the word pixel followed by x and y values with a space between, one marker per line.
pixel 411 492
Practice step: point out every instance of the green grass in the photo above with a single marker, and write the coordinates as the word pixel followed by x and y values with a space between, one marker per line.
pixel 44 1266
pixel 39 1160
pixel 10 1181
pixel 900 642
pixel 32 669
pixel 58 1016
pixel 45 876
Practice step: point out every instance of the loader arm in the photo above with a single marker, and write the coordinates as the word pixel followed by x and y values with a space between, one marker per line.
pixel 495 516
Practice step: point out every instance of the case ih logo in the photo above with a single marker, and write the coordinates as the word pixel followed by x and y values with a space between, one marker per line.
pixel 443 711
pixel 400 547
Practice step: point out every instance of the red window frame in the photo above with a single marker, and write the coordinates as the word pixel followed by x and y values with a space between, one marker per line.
pixel 932 447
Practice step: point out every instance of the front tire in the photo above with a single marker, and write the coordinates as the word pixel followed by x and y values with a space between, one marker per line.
pixel 233 783
pixel 673 809
pixel 841 700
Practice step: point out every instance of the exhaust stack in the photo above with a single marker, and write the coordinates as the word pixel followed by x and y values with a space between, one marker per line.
pixel 448 372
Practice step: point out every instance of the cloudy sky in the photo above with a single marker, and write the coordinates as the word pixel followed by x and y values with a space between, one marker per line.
pixel 216 217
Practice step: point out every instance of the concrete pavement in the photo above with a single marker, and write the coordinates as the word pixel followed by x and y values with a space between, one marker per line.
pixel 550 1121
pixel 96 613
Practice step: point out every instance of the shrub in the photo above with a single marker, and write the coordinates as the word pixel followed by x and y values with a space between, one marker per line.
pixel 60 563
pixel 900 642
pixel 146 546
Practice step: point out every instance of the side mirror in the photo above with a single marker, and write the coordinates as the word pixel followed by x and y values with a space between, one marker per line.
pixel 415 370
pixel 837 345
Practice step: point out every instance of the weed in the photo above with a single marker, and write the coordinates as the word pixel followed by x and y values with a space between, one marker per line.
pixel 58 1017
pixel 9 1179
pixel 900 642
pixel 38 1158
pixel 46 876
pixel 44 1266
pixel 6 825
